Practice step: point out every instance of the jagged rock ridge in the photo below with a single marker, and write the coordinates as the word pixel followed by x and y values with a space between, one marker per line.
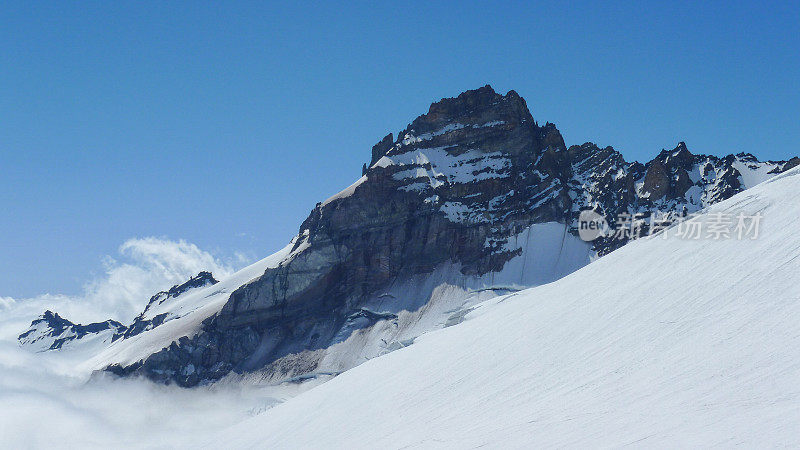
pixel 457 200
pixel 151 318
pixel 52 332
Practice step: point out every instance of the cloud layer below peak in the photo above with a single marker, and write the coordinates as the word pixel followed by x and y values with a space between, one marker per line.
pixel 142 267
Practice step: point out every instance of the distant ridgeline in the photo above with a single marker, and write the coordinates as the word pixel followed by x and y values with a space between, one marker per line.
pixel 52 332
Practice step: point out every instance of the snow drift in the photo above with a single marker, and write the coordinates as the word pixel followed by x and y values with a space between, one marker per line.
pixel 666 342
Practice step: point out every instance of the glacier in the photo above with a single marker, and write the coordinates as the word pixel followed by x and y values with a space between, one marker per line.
pixel 666 342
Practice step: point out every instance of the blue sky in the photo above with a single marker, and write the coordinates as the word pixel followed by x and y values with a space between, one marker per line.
pixel 224 123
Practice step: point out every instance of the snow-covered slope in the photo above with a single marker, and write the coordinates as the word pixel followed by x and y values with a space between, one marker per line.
pixel 391 320
pixel 395 317
pixel 52 332
pixel 185 314
pixel 474 199
pixel 667 342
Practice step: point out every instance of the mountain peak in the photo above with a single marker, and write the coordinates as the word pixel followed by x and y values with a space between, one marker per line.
pixel 678 156
pixel 472 194
pixel 51 331
pixel 479 117
pixel 201 279
pixel 50 315
pixel 471 98
pixel 473 107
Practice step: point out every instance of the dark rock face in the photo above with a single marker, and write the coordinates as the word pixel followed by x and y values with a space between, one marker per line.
pixel 51 331
pixel 667 175
pixel 675 182
pixel 494 171
pixel 788 165
pixel 381 148
pixel 657 180
pixel 453 187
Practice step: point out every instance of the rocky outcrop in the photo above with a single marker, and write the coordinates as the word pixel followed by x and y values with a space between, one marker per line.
pixel 657 180
pixel 788 165
pixel 381 148
pixel 149 319
pixel 456 183
pixel 451 190
pixel 53 332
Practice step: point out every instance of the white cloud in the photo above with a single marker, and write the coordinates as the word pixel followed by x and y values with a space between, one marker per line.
pixel 41 407
pixel 45 400
pixel 143 267
pixel 153 264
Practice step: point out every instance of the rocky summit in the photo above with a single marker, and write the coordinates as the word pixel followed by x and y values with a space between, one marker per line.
pixel 472 199
pixel 53 332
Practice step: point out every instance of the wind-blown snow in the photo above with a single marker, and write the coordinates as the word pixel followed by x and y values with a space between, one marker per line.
pixel 666 342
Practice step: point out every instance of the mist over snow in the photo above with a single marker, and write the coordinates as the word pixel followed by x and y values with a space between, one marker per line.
pixel 42 405
pixel 143 267
pixel 44 401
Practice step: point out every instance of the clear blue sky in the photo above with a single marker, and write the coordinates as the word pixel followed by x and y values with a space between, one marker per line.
pixel 223 123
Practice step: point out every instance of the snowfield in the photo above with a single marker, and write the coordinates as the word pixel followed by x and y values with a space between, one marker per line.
pixel 419 305
pixel 185 315
pixel 667 342
pixel 664 343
